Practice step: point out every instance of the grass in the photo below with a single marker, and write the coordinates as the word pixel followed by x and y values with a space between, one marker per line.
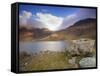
pixel 53 60
pixel 49 60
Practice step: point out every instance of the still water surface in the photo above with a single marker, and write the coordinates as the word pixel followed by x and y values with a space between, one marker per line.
pixel 43 46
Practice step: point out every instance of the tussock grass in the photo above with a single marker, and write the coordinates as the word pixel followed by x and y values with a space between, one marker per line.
pixel 47 61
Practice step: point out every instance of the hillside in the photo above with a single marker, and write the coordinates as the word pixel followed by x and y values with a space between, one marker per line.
pixel 82 29
pixel 30 33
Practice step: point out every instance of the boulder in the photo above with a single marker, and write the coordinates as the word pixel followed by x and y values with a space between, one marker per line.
pixel 72 60
pixel 87 62
pixel 81 47
pixel 85 45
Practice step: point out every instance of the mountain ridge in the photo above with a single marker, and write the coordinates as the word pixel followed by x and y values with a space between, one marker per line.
pixel 85 28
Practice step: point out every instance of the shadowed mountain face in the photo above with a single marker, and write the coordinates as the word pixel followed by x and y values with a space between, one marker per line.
pixel 82 29
pixel 30 33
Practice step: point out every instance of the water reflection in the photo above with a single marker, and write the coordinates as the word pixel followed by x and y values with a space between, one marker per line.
pixel 43 46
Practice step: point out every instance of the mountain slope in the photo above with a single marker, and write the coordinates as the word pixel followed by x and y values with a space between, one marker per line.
pixel 30 33
pixel 82 29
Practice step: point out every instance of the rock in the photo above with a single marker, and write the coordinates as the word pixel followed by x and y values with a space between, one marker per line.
pixel 85 45
pixel 72 49
pixel 88 62
pixel 72 60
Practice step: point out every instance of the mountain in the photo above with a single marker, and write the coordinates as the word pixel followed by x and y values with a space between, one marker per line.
pixel 82 29
pixel 30 33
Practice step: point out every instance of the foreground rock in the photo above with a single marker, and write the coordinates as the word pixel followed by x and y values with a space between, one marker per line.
pixel 81 47
pixel 85 45
pixel 88 62
pixel 72 61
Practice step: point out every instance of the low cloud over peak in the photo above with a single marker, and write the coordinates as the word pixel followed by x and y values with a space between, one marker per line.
pixel 50 21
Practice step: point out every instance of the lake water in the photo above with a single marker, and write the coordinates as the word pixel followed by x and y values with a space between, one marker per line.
pixel 43 46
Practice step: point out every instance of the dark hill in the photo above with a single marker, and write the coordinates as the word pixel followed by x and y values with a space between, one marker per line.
pixel 82 29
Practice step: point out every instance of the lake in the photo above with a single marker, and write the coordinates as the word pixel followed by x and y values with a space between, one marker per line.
pixel 37 46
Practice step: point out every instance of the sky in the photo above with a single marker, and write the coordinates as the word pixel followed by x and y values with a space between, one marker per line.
pixel 53 18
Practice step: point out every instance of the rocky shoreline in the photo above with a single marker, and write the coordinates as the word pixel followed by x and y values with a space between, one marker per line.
pixel 80 53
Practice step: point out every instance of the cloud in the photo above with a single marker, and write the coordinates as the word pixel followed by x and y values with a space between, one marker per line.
pixel 40 20
pixel 71 16
pixel 69 20
pixel 80 15
pixel 24 17
pixel 50 21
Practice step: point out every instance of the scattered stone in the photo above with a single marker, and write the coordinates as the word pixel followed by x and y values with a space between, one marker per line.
pixel 72 60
